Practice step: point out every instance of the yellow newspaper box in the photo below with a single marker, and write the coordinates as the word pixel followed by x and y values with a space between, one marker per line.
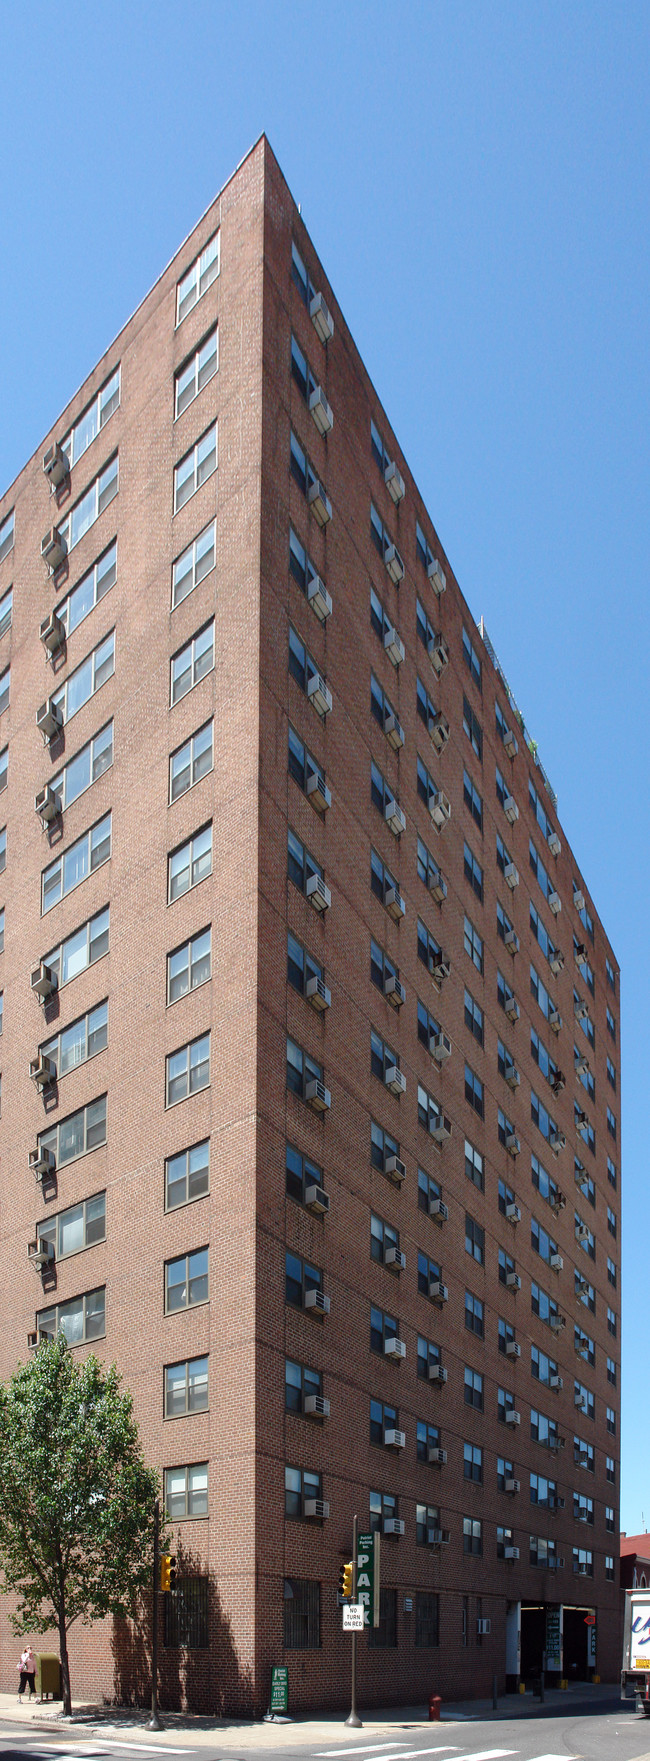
pixel 48 1676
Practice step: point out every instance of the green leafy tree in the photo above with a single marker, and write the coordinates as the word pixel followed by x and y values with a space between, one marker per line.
pixel 76 1499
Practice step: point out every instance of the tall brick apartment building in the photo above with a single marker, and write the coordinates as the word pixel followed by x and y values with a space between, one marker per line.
pixel 310 1060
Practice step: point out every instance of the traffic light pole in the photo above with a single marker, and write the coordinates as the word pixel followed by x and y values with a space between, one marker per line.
pixel 354 1721
pixel 154 1722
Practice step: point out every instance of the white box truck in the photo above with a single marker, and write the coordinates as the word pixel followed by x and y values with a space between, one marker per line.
pixel 635 1671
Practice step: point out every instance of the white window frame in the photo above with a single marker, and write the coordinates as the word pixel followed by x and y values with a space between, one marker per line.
pixel 199 273
pixel 99 406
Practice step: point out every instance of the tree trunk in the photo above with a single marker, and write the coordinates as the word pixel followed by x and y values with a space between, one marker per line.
pixel 63 1655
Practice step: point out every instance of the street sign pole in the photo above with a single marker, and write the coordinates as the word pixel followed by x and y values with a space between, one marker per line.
pixel 354 1721
pixel 154 1722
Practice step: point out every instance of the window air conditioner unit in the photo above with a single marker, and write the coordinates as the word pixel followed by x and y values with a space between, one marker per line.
pixel 436 1457
pixel 319 694
pixel 43 981
pixel 557 1200
pixel 318 792
pixel 440 1047
pixel 438 1291
pixel 47 805
pixel 577 1401
pixel 316 1302
pixel 581 1285
pixel 438 1537
pixel 512 1485
pixel 49 719
pixel 511 875
pixel 394 1256
pixel 320 410
pixel 555 1020
pixel 318 1096
pixel 315 1406
pixel 513 1078
pixel 558 1324
pixel 559 1082
pixel 56 465
pixel 556 1382
pixel 438 1210
pixel 554 844
pixel 580 1010
pixel 483 1626
pixel 394 903
pixel 54 549
pixel 317 1508
pixel 511 1007
pixel 394 563
pixel 395 1079
pixel 439 966
pixel 41 1254
pixel 511 809
pixel 32 1341
pixel 579 900
pixel 394 483
pixel 556 1262
pixel 319 599
pixel 513 1212
pixel 393 1525
pixel 439 808
pixel 319 502
pixel 438 1373
pixel 395 1439
pixel 513 1144
pixel 583 1232
pixel 437 576
pixel 440 1131
pixel 581 1065
pixel 394 991
pixel 512 1416
pixel 318 894
pixel 583 1571
pixel 317 1199
pixel 556 961
pixel 579 1173
pixel 511 1552
pixel 557 1142
pixel 394 1347
pixel 438 652
pixel 554 903
pixel 512 1348
pixel 42 1071
pixel 317 994
pixel 52 633
pixel 511 940
pixel 394 1168
pixel 42 1163
pixel 321 318
pixel 395 817
pixel 437 885
pixel 394 646
pixel 513 1281
pixel 510 742
pixel 439 731
pixel 394 731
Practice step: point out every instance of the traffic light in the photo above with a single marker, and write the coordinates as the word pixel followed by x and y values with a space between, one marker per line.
pixel 345 1581
pixel 167 1571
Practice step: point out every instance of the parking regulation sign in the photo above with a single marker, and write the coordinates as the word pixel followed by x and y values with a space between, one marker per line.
pixel 353 1617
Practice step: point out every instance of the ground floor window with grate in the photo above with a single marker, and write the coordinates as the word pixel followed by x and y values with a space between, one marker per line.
pixel 386 1633
pixel 427 1618
pixel 301 1614
pixel 186 1614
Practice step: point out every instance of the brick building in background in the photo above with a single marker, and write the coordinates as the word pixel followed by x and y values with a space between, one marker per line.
pixel 311 1051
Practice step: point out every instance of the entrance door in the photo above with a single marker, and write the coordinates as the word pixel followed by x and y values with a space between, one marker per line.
pixel 533 1641
pixel 576 1664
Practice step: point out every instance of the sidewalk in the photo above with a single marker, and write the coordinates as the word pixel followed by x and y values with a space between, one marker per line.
pixel 190 1731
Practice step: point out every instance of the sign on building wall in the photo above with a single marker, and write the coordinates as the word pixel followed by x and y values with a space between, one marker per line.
pixel 554 1639
pixel 368 1577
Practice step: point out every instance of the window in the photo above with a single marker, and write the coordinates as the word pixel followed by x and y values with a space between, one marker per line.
pixel 504 859
pixel 5 688
pixel 611 1371
pixel 300 1173
pixel 86 679
pixel 473 1312
pixel 381 792
pixel 426 787
pixel 75 1044
pixel 609 970
pixel 584 1292
pixel 506 1266
pixel 424 627
pixel 301 371
pixel 611 1221
pixel 382 1237
pixel 428 1027
pixel 88 592
pixel 610 1523
pixel 192 663
pixel 429 1272
pixel 186 1492
pixel 504 1536
pixel 302 470
pixel 187 1175
pixel 473 1463
pixel 427 1518
pixel 299 1384
pixel 609 1566
pixel 384 1636
pixel 583 1561
pixel 92 503
pixel 189 966
pixel 2 929
pixel 611 1273
pixel 4 767
pixel 378 531
pixel 473 944
pixel 70 869
pixel 472 728
pixel 611 1022
pixel 196 466
pixel 584 1346
pixel 77 1135
pixel 6 610
pixel 505 1334
pixel 380 621
pixel 382 1327
pixel 611 1123
pixel 541 874
pixel 186 1281
pixel 303 767
pixel 6 535
pixel 381 967
pixel 186 1387
pixel 541 934
pixel 78 1227
pixel 583 1400
pixel 187 1070
pixel 378 448
pixel 473 1383
pixel 471 659
pixel 428 1356
pixel 299 1485
pixel 424 551
pixel 473 800
pixel 301 865
pixel 472 1536
pixel 81 1319
pixel 191 762
pixel 473 1017
pixel 81 949
pixel 427 1619
pixel 85 768
pixel 473 872
pixel 474 1165
pixel 196 372
pixel 583 1454
pixel 505 1404
pixel 544 823
pixel 542 1429
pixel 189 865
pixel 611 1322
pixel 611 1172
pixel 543 1059
pixel 301 1069
pixel 586 971
pixel 610 1419
pixel 301 666
pixel 382 1419
pixel 426 1437
pixel 610 1468
pixel 383 1506
pixel 381 1146
pixel 474 1092
pixel 542 1367
pixel 584 913
pixel 429 1112
pixel 301 1607
pixel 426 708
pixel 93 419
pixel 299 275
pixel 541 1117
pixel 299 1278
pixel 429 949
pixel 584 1019
pixel 304 571
pixel 194 563
pixel 543 1492
pixel 198 278
pixel 541 1242
pixel 186 1615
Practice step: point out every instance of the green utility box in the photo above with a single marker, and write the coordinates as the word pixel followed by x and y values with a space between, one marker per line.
pixel 48 1676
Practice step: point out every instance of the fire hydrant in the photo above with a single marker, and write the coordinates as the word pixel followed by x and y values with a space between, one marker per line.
pixel 435 1703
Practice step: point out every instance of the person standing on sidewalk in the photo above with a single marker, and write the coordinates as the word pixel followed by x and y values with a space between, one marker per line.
pixel 27 1668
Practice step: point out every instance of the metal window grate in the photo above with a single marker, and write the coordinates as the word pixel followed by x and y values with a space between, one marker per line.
pixel 186 1615
pixel 301 1614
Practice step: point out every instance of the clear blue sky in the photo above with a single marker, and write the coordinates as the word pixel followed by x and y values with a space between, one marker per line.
pixel 475 177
